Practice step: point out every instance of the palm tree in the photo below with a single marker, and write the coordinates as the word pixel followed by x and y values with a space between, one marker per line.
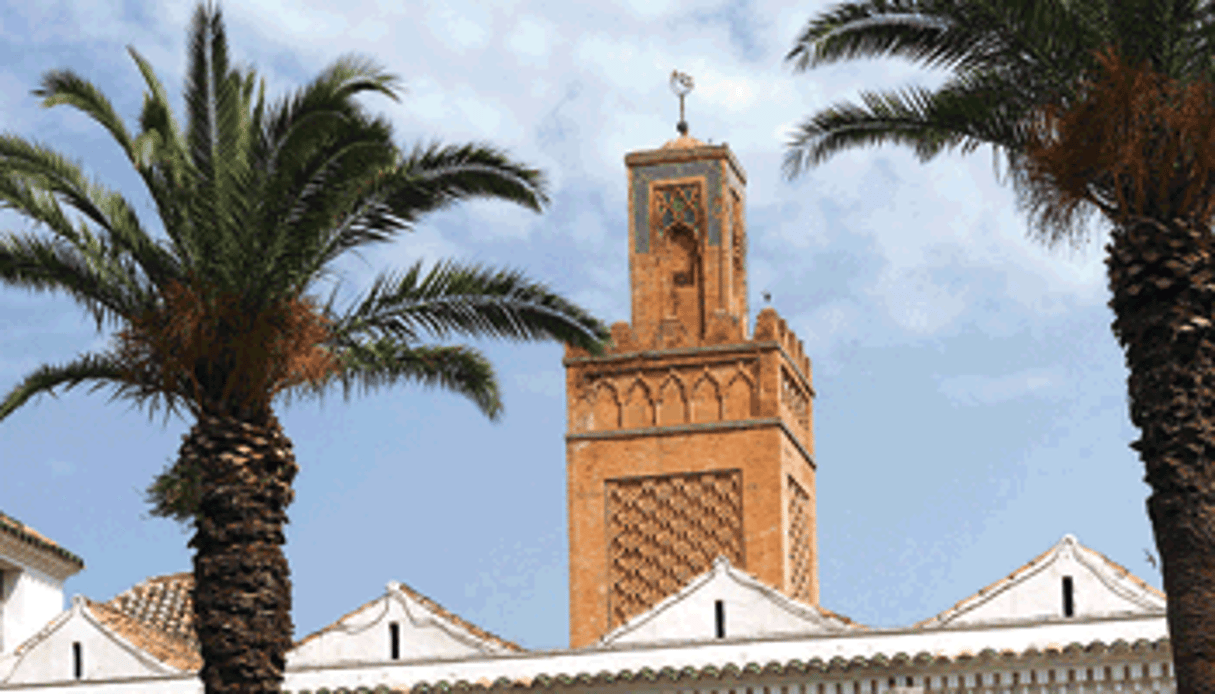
pixel 257 200
pixel 1099 107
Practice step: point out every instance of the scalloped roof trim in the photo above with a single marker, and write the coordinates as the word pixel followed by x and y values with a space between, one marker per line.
pixel 879 661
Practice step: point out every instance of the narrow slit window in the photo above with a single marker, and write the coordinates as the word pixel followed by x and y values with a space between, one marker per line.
pixel 1069 603
pixel 394 640
pixel 77 660
pixel 719 607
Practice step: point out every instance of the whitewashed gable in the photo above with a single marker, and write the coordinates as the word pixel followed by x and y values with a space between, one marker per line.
pixel 48 655
pixel 748 609
pixel 424 631
pixel 1037 590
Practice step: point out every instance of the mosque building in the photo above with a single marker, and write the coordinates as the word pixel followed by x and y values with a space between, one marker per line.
pixel 692 533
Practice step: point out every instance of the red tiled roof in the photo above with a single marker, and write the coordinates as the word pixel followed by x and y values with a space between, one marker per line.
pixel 162 603
pixel 167 648
pixel 25 533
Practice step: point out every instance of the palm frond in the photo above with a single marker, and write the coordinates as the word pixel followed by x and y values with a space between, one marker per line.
pixel 68 88
pixel 329 200
pixel 383 362
pixel 100 283
pixel 434 176
pixel 104 369
pixel 28 168
pixel 163 162
pixel 943 33
pixel 471 301
pixel 924 120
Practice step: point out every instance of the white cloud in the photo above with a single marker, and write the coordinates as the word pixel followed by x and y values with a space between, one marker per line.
pixel 970 390
pixel 917 302
pixel 461 27
pixel 531 40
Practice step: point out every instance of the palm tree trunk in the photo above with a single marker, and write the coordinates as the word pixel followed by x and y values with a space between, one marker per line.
pixel 1163 281
pixel 242 586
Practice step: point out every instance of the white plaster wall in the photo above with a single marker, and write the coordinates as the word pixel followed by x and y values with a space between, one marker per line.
pixel 749 613
pixel 943 641
pixel 31 600
pixel 364 636
pixel 50 659
pixel 1097 590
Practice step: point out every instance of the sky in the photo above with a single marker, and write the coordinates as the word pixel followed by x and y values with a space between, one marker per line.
pixel 971 399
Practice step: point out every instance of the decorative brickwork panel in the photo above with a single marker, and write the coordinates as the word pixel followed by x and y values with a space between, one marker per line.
pixel 664 531
pixel 801 574
pixel 795 399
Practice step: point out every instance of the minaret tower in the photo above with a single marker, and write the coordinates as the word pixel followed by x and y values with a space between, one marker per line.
pixel 689 439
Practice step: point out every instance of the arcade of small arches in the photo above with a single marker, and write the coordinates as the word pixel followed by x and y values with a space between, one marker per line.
pixel 666 398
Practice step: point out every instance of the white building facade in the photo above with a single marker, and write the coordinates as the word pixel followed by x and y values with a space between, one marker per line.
pixel 1068 621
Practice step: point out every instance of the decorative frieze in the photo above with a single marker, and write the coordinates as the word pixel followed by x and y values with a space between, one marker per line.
pixel 630 400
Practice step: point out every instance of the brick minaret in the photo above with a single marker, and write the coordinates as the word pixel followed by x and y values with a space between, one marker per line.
pixel 689 439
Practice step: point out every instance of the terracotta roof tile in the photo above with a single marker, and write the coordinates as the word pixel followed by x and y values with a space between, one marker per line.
pixel 165 647
pixel 23 532
pixel 162 603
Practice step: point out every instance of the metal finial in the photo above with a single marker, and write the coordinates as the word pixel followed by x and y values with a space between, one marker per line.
pixel 767 297
pixel 681 84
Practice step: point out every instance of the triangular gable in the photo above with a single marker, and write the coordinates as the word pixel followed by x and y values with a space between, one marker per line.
pixel 423 630
pixel 748 609
pixel 1037 590
pixel 112 646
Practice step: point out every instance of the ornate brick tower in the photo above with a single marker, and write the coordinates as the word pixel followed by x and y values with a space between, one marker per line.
pixel 689 439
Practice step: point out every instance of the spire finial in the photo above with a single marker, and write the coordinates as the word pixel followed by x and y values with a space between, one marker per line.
pixel 681 84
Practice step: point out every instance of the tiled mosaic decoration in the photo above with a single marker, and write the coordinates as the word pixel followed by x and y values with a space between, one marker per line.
pixel 800 542
pixel 664 531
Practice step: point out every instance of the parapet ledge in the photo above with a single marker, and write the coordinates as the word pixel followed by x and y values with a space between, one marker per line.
pixel 770 326
pixel 723 329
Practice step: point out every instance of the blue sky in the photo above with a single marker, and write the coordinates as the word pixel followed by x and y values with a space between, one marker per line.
pixel 971 399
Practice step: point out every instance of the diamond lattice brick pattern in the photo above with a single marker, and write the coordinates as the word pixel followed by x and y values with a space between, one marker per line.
pixel 664 531
pixel 799 542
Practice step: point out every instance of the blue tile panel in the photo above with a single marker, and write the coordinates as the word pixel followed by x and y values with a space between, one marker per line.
pixel 639 186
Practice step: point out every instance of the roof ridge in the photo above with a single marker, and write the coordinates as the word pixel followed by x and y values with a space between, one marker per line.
pixel 1068 539
pixel 460 621
pixel 23 532
pixel 429 604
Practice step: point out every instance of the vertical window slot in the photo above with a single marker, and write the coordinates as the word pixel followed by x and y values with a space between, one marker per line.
pixel 1069 604
pixel 77 660
pixel 394 640
pixel 719 608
